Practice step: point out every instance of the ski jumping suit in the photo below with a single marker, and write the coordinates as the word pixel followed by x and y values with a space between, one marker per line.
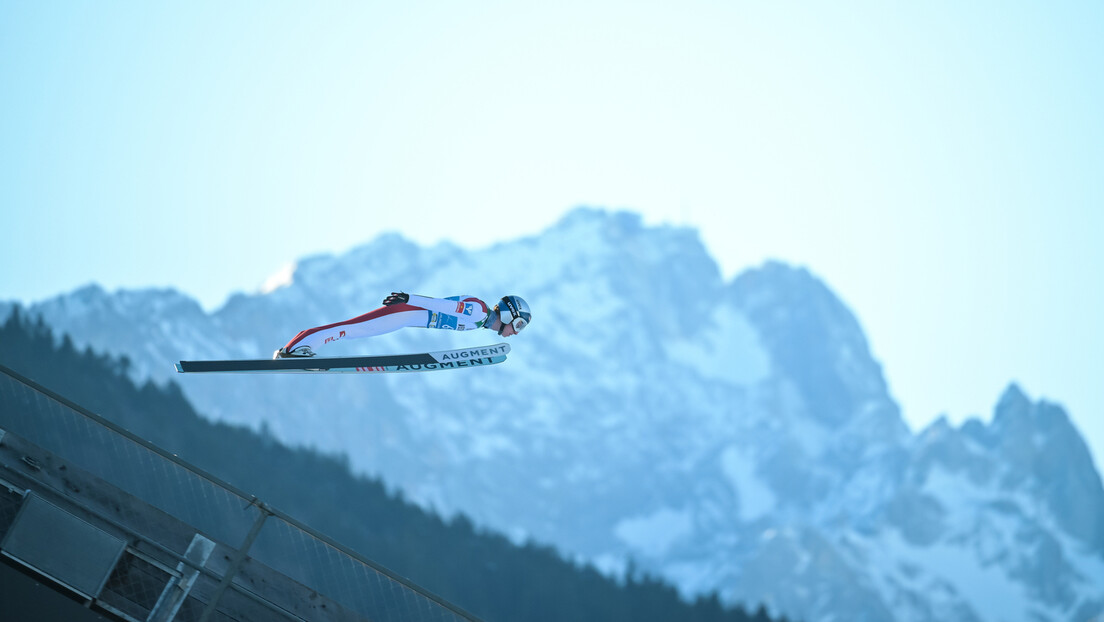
pixel 452 313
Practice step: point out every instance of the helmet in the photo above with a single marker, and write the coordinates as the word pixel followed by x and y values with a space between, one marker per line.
pixel 513 310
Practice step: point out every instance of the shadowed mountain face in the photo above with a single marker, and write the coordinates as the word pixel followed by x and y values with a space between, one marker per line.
pixel 728 435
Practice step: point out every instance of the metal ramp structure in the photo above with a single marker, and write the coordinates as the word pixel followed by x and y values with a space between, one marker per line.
pixel 138 534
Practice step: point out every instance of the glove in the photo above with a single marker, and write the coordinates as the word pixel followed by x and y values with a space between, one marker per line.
pixel 396 298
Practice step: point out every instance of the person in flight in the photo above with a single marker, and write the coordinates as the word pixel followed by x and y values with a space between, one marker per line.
pixel 401 310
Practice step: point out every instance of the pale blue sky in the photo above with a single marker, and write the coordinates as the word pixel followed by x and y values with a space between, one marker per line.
pixel 940 164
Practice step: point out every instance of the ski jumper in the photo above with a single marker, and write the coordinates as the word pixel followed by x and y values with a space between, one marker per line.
pixel 452 313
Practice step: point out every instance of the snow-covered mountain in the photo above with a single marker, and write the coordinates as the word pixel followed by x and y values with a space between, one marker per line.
pixel 735 436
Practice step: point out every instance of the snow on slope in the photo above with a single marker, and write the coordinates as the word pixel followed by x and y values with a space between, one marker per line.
pixel 732 436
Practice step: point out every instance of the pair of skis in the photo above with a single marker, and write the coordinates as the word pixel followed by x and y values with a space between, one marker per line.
pixel 396 363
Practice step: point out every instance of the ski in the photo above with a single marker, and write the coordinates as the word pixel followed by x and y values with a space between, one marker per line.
pixel 392 363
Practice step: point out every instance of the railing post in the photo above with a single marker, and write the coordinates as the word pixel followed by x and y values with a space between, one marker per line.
pixel 172 597
pixel 239 559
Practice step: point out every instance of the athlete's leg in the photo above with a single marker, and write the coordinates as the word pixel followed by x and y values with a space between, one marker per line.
pixel 378 322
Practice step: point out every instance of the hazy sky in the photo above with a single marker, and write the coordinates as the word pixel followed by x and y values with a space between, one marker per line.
pixel 939 164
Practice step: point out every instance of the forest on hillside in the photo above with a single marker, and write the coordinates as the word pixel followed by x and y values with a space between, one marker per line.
pixel 482 572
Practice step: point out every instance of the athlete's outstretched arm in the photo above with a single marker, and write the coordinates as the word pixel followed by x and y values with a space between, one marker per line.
pixel 442 305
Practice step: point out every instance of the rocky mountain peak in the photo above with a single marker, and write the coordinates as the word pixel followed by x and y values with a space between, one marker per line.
pixel 813 338
pixel 1045 453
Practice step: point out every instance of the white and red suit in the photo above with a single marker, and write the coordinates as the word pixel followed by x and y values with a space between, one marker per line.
pixel 452 313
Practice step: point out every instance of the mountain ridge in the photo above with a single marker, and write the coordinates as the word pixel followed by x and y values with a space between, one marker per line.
pixel 723 434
